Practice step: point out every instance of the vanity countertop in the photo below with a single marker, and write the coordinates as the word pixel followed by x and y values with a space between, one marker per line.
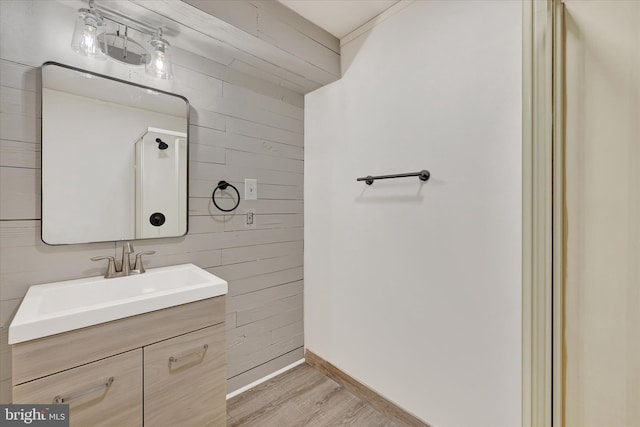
pixel 58 307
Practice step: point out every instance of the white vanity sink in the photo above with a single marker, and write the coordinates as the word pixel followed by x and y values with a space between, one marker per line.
pixel 58 307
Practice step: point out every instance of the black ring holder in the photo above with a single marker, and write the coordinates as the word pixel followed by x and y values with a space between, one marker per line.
pixel 223 185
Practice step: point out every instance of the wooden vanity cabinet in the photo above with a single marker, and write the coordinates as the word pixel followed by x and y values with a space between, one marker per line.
pixel 167 368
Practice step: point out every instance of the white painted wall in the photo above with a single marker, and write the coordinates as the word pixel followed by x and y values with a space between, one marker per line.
pixel 415 290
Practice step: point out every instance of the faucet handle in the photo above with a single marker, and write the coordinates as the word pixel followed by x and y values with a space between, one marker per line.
pixel 139 267
pixel 111 266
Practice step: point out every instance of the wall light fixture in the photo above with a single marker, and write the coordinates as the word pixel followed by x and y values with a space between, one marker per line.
pixel 159 61
pixel 89 34
pixel 90 38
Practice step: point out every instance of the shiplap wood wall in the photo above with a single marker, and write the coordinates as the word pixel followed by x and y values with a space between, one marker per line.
pixel 246 122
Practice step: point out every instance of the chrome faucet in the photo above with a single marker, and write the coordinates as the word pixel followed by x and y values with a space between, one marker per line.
pixel 125 263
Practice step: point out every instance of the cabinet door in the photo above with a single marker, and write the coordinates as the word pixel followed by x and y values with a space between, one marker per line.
pixel 185 380
pixel 103 393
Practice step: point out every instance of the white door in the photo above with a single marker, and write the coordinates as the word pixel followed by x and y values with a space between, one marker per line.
pixel 602 214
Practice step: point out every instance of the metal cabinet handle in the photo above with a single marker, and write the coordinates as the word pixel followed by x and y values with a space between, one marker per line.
pixel 66 399
pixel 203 350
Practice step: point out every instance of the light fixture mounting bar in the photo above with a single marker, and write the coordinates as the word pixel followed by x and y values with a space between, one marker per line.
pixel 122 19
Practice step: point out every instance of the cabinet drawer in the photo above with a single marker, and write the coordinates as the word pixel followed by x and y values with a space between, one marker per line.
pixel 184 384
pixel 55 353
pixel 91 401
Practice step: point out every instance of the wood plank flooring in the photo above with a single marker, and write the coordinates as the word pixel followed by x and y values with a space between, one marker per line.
pixel 302 396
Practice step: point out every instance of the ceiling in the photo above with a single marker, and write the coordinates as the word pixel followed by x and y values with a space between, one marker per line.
pixel 339 17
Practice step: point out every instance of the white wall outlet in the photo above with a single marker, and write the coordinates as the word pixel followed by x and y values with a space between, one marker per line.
pixel 250 189
pixel 249 217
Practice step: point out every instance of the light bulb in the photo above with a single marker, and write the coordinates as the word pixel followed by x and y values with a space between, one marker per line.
pixel 88 44
pixel 159 61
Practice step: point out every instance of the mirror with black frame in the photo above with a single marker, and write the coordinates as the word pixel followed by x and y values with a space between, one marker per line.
pixel 114 159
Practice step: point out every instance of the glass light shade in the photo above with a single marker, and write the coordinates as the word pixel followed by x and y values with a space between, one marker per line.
pixel 89 37
pixel 158 62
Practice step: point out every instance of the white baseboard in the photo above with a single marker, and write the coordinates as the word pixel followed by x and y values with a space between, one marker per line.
pixel 263 379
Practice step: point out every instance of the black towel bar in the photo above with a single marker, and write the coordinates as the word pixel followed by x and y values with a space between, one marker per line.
pixel 423 175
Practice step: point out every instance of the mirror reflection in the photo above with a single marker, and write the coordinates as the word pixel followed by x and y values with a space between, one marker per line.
pixel 114 159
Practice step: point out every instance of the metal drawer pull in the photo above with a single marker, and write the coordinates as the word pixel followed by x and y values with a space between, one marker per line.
pixel 203 350
pixel 66 399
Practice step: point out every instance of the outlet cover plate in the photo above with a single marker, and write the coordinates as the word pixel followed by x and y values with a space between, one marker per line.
pixel 250 219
